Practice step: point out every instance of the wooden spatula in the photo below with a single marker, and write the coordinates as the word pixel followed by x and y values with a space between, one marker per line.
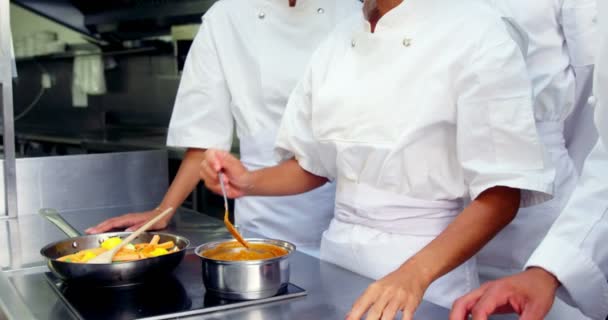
pixel 107 256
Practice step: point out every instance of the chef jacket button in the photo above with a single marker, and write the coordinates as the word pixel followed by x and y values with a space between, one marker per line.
pixel 353 43
pixel 407 42
pixel 592 101
pixel 261 15
pixel 320 11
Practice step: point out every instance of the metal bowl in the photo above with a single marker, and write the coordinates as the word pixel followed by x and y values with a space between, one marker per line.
pixel 246 280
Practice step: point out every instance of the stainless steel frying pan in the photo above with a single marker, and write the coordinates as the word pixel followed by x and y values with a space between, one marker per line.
pixel 115 274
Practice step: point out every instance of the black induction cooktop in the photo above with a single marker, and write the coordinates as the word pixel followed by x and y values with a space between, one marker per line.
pixel 180 294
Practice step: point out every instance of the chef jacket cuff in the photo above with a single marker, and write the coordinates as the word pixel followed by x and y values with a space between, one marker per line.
pixel 174 139
pixel 584 286
pixel 532 192
pixel 308 165
pixel 282 154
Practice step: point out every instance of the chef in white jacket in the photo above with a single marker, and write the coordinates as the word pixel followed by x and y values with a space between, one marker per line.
pixel 410 121
pixel 244 62
pixel 560 54
pixel 572 260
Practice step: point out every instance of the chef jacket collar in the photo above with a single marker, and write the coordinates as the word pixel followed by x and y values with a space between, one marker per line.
pixel 409 11
pixel 301 13
pixel 285 3
pixel 301 5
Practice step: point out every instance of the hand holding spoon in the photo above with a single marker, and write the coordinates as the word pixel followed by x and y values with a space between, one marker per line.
pixel 235 233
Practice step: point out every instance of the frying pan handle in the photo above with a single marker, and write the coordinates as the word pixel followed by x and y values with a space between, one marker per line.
pixel 55 218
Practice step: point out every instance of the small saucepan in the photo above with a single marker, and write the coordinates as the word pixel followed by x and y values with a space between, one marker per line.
pixel 246 280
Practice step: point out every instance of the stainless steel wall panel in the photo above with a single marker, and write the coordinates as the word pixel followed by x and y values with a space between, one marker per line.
pixel 69 183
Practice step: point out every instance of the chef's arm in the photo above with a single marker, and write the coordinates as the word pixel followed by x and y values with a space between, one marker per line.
pixel 474 227
pixel 579 234
pixel 185 180
pixel 286 178
pixel 183 184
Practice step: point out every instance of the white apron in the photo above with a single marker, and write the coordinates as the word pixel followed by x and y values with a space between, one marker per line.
pixel 374 232
pixel 299 219
pixel 508 253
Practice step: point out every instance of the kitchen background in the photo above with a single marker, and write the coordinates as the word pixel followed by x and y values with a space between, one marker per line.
pixel 101 76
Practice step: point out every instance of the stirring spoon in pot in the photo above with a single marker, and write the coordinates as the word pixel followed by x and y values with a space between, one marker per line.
pixel 235 233
pixel 107 256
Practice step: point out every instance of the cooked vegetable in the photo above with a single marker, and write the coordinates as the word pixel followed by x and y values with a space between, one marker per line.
pixel 110 243
pixel 129 252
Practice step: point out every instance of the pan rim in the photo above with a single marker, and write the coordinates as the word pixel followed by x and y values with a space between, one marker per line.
pixel 290 247
pixel 177 237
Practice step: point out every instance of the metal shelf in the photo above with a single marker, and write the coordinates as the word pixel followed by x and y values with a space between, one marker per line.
pixel 71 55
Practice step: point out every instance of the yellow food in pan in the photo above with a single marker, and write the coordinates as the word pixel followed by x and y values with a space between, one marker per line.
pixel 129 252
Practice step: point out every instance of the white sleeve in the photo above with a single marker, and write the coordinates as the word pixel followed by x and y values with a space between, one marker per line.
pixel 579 135
pixel 575 250
pixel 295 137
pixel 579 24
pixel 497 141
pixel 578 19
pixel 201 116
pixel 600 84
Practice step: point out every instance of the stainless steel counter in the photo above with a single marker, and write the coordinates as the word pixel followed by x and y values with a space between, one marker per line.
pixel 24 293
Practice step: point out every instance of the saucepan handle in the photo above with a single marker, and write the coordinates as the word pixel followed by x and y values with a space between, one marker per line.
pixel 55 218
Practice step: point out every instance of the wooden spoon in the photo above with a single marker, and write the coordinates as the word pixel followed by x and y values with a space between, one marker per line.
pixel 107 256
pixel 235 233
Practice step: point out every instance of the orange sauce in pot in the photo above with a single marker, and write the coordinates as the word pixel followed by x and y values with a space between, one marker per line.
pixel 234 251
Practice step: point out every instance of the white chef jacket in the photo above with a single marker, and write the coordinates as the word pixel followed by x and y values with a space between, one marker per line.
pixel 418 118
pixel 245 60
pixel 575 248
pixel 580 136
pixel 561 36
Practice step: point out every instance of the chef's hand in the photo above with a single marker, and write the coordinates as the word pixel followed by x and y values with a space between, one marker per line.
pixel 237 179
pixel 401 290
pixel 130 222
pixel 530 294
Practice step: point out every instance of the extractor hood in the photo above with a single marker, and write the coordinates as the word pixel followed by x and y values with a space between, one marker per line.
pixel 119 20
